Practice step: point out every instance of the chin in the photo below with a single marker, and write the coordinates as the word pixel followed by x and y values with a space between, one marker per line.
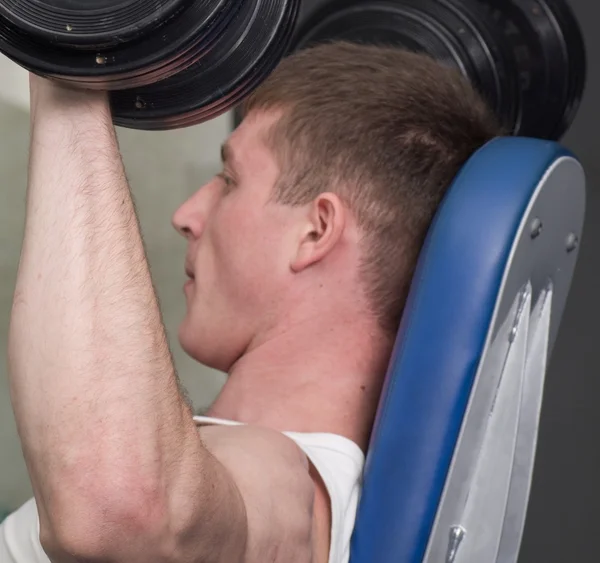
pixel 189 341
pixel 186 341
pixel 199 345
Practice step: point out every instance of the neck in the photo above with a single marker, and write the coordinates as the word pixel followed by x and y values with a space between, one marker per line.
pixel 309 378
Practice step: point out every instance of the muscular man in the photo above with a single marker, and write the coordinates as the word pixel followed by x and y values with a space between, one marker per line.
pixel 299 258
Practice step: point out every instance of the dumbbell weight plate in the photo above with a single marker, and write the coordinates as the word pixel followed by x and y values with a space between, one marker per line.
pixel 550 54
pixel 91 23
pixel 208 88
pixel 527 57
pixel 178 43
pixel 203 60
pixel 454 32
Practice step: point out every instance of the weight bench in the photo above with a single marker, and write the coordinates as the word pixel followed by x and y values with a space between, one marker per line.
pixel 450 463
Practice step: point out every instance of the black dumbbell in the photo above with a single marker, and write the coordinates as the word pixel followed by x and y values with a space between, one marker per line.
pixel 168 63
pixel 526 57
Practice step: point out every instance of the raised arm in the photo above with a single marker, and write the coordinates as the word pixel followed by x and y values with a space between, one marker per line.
pixel 117 466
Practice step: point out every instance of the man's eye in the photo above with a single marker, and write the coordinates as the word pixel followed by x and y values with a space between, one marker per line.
pixel 228 181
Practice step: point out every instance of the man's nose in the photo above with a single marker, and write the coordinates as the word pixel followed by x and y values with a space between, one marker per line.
pixel 183 221
pixel 190 218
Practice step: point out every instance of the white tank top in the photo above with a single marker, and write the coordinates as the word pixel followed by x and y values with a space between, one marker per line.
pixel 338 460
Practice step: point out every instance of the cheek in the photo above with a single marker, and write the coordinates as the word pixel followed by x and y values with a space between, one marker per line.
pixel 251 252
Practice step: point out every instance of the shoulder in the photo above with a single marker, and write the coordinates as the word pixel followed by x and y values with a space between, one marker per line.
pixel 277 484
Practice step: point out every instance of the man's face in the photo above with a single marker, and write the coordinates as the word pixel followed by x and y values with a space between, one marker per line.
pixel 239 247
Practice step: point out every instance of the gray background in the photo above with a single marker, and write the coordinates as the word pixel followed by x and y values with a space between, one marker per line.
pixel 563 519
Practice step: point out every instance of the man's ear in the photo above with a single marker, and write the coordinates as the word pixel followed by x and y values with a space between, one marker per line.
pixel 324 226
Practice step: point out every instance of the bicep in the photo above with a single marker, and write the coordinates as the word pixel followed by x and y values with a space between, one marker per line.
pixel 20 537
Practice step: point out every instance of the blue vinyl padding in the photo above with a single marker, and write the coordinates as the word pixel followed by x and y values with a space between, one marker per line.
pixel 439 345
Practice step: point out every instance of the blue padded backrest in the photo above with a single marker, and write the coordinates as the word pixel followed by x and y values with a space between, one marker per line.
pixel 439 345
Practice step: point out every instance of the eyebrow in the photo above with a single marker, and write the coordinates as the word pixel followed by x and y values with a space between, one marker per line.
pixel 227 155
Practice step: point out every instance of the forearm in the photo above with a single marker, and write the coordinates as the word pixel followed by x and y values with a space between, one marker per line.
pixel 93 386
